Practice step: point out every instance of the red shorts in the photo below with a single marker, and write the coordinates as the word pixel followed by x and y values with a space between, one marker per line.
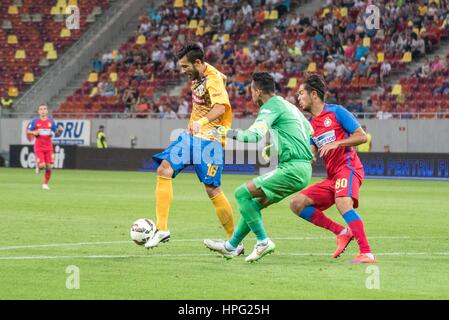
pixel 44 157
pixel 346 183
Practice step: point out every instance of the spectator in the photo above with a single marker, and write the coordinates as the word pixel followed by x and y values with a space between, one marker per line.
pixel 387 148
pixel 183 109
pixel 101 138
pixel 169 113
pixel 107 88
pixel 367 146
pixel 385 70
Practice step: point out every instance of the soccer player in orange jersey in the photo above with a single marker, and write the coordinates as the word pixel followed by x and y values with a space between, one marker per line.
pixel 197 146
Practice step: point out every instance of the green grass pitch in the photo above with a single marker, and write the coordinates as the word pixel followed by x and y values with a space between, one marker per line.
pixel 84 221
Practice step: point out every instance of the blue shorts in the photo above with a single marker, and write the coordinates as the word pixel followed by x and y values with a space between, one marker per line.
pixel 207 157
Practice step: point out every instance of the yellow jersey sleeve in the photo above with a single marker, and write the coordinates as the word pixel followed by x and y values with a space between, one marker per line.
pixel 217 91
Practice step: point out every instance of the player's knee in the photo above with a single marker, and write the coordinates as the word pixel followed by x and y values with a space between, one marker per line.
pixel 344 204
pixel 297 204
pixel 242 193
pixel 165 170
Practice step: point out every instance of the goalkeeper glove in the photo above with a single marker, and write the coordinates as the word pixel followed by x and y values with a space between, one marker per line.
pixel 222 131
pixel 266 152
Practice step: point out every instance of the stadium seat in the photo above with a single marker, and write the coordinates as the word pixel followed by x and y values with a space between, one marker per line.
pixel 193 24
pixel 13 92
pixel 274 15
pixel 311 67
pixel 20 55
pixel 48 46
pixel 407 57
pixel 13 10
pixel 65 33
pixel 52 55
pixel 93 77
pixel 12 39
pixel 344 11
pixel 73 3
pixel 380 57
pixel 141 40
pixel 28 77
pixel 292 83
pixel 397 90
pixel 113 76
pixel 367 42
pixel 179 4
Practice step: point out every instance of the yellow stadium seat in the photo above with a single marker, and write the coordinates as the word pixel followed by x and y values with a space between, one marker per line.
pixel 311 67
pixel 141 40
pixel 12 39
pixel 73 3
pixel 55 11
pixel 208 29
pixel 61 3
pixel 407 57
pixel 65 33
pixel 215 37
pixel 292 83
pixel 344 11
pixel 48 46
pixel 93 77
pixel 179 4
pixel 193 24
pixel 267 15
pixel 13 91
pixel 13 10
pixel 246 51
pixel 367 42
pixel 380 57
pixel 28 77
pixel 199 31
pixel 20 54
pixel 199 3
pixel 201 23
pixel 113 76
pixel 274 15
pixel 397 90
pixel 52 55
pixel 325 11
pixel 114 54
pixel 416 30
pixel 225 37
pixel 410 23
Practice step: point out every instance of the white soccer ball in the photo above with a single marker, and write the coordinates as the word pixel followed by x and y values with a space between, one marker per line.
pixel 141 230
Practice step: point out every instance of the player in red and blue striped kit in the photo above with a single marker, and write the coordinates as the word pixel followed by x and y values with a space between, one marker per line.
pixel 336 132
pixel 43 127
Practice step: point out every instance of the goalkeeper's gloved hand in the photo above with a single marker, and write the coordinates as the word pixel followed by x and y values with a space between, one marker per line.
pixel 266 152
pixel 222 131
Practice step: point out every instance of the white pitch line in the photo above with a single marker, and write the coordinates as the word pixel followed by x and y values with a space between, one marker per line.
pixel 56 245
pixel 154 256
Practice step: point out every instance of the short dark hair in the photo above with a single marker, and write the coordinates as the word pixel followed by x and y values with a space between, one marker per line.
pixel 264 82
pixel 192 51
pixel 315 82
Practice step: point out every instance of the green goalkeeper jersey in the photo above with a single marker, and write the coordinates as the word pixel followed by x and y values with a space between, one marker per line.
pixel 290 131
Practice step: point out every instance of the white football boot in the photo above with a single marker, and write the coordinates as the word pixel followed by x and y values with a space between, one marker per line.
pixel 158 237
pixel 45 187
pixel 260 251
pixel 219 246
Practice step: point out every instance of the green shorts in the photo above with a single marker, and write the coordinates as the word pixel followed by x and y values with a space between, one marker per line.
pixel 286 179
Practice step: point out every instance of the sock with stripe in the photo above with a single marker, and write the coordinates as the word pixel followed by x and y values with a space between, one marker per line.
pixel 318 218
pixel 355 223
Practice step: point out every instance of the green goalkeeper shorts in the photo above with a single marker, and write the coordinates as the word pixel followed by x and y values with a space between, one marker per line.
pixel 286 179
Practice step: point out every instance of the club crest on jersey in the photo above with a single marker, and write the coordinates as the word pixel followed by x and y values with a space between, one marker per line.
pixel 327 122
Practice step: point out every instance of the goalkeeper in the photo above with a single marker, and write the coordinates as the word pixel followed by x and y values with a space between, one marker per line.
pixel 291 132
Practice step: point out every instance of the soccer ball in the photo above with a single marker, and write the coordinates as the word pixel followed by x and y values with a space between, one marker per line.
pixel 141 230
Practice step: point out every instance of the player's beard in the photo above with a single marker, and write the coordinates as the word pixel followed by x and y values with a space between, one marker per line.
pixel 195 75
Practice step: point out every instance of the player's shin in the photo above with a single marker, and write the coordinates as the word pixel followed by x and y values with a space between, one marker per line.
pixel 318 218
pixel 223 210
pixel 250 213
pixel 164 197
pixel 356 225
pixel 47 175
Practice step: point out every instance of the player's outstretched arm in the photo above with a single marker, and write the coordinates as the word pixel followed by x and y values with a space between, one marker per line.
pixel 217 111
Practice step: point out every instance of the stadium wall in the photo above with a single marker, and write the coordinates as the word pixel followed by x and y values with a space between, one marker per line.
pixel 424 136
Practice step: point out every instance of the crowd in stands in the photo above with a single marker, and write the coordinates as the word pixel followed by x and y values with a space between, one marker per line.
pixel 263 36
pixel 33 34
